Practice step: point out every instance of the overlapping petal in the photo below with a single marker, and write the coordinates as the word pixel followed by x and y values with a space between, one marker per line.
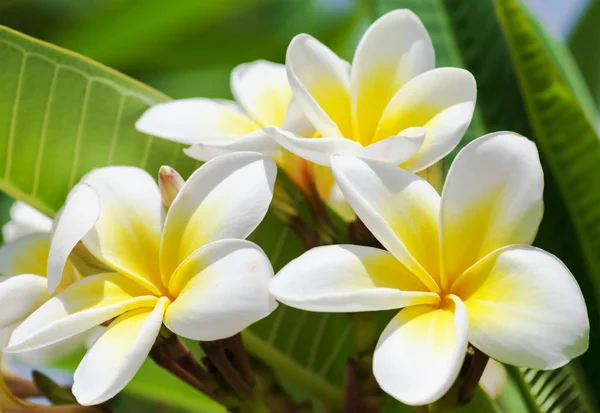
pixel 399 208
pixel 81 306
pixel 26 255
pixel 262 89
pixel 421 351
pixel 195 120
pixel 320 82
pixel 257 141
pixel 221 289
pixel 226 198
pixel 127 234
pixel 525 308
pixel 342 278
pixel 394 150
pixel 118 354
pixel 442 101
pixel 20 296
pixel 393 50
pixel 80 213
pixel 492 198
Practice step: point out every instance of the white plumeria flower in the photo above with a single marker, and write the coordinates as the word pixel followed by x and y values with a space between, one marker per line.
pixel 24 286
pixel 195 273
pixel 391 105
pixel 461 264
pixel 215 127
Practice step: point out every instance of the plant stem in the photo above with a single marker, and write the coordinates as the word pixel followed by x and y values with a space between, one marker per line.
pixel 421 409
pixel 322 220
pixel 475 370
pixel 229 357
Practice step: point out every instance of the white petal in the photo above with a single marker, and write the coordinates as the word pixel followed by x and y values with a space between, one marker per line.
pixel 316 150
pixel 20 296
pixel 25 220
pixel 262 89
pixel 440 100
pixel 421 351
pixel 26 255
pixel 257 141
pixel 398 207
pixel 220 289
pixel 77 218
pixel 395 149
pixel 226 198
pixel 320 84
pixel 126 237
pixel 195 120
pixel 117 355
pixel 296 122
pixel 525 308
pixel 393 50
pixel 492 198
pixel 344 278
pixel 81 306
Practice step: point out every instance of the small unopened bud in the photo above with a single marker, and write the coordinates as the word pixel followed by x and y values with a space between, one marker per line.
pixel 170 183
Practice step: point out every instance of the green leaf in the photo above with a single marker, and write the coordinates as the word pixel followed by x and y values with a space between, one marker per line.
pixel 553 391
pixel 52 391
pixel 62 115
pixel 586 49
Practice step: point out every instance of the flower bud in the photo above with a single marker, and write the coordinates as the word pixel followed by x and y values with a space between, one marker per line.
pixel 169 182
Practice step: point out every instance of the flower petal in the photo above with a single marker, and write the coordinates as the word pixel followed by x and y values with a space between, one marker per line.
pixel 126 237
pixel 80 213
pixel 118 354
pixel 81 306
pixel 395 149
pixel 26 255
pixel 525 308
pixel 262 89
pixel 348 278
pixel 20 296
pixel 316 150
pixel 421 351
pixel 25 220
pixel 393 50
pixel 227 197
pixel 398 207
pixel 257 141
pixel 440 100
pixel 195 120
pixel 320 83
pixel 492 198
pixel 221 289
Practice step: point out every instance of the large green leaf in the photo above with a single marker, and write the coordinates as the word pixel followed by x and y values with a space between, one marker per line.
pixel 62 115
pixel 586 49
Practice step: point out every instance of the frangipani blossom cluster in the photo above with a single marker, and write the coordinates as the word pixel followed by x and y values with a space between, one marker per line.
pixel 189 268
pixel 458 266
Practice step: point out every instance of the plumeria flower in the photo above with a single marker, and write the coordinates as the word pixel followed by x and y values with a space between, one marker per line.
pixel 390 105
pixel 194 273
pixel 461 265
pixel 24 286
pixel 215 127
